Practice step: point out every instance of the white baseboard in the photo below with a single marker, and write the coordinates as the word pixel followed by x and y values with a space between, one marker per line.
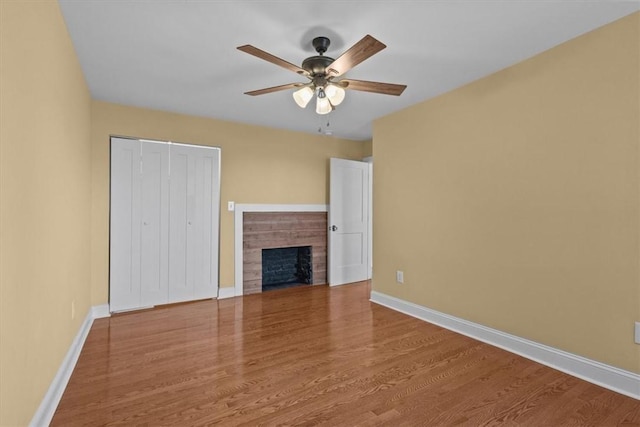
pixel 52 397
pixel 229 292
pixel 618 380
pixel 100 311
pixel 333 285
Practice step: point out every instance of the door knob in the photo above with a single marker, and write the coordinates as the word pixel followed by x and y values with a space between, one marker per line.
pixel 334 228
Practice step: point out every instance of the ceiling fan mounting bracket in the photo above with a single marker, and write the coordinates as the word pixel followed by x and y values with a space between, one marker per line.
pixel 321 44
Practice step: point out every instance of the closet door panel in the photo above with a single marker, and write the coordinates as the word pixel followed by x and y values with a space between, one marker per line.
pixel 193 253
pixel 192 224
pixel 205 285
pixel 178 226
pixel 124 251
pixel 154 246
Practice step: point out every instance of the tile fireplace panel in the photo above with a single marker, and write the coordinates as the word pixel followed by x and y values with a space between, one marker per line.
pixel 266 230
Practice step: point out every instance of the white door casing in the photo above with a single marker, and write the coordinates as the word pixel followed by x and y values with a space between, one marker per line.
pixel 348 221
pixel 369 161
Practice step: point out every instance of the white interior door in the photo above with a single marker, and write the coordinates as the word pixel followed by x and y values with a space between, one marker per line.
pixel 193 219
pixel 125 225
pixel 348 221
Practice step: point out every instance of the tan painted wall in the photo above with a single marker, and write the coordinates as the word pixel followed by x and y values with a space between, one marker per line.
pixel 259 165
pixel 523 189
pixel 513 202
pixel 368 148
pixel 45 171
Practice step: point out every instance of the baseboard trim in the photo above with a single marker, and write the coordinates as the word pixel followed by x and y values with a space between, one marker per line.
pixel 610 377
pixel 52 397
pixel 228 292
pixel 100 311
pixel 46 410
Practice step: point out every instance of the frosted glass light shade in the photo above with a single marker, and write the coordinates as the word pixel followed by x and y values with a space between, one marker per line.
pixel 335 94
pixel 323 106
pixel 302 96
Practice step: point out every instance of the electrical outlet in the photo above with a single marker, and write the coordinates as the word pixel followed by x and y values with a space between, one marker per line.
pixel 637 333
pixel 73 309
pixel 231 206
pixel 399 276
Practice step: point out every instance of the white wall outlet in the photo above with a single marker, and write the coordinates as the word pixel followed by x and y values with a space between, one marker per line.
pixel 231 206
pixel 637 333
pixel 399 276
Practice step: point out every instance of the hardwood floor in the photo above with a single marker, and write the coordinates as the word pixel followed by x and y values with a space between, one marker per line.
pixel 315 355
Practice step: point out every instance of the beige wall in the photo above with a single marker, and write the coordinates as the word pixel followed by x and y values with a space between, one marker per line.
pixel 514 201
pixel 259 165
pixel 368 148
pixel 45 171
pixel 521 195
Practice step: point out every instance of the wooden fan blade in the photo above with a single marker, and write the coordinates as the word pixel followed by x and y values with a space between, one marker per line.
pixel 365 48
pixel 251 50
pixel 375 87
pixel 273 89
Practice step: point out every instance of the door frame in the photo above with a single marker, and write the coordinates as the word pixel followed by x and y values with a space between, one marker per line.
pixel 369 160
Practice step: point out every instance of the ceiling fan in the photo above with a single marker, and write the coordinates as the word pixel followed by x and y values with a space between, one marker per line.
pixel 323 71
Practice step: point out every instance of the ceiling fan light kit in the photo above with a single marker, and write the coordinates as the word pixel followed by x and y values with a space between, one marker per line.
pixel 335 94
pixel 323 105
pixel 331 93
pixel 303 95
pixel 322 70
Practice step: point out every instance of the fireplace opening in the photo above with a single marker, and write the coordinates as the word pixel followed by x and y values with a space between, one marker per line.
pixel 286 267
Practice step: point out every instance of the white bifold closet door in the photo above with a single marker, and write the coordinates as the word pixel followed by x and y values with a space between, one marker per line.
pixel 165 202
pixel 154 233
pixel 192 273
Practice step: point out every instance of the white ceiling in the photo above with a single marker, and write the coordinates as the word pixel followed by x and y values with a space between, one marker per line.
pixel 181 55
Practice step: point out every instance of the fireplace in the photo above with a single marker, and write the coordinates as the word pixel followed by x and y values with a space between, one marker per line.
pixel 288 230
pixel 286 267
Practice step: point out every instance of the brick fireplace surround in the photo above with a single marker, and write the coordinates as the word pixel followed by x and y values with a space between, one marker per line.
pixel 266 230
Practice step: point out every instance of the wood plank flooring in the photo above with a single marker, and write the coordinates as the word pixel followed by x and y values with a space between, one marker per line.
pixel 315 356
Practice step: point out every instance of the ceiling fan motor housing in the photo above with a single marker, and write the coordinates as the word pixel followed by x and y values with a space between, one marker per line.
pixel 317 65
